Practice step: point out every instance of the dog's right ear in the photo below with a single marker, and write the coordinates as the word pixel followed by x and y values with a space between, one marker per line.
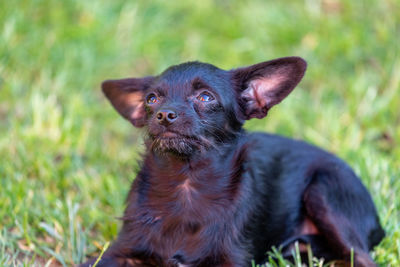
pixel 127 97
pixel 266 84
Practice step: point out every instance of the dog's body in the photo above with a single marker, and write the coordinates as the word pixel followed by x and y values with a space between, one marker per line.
pixel 209 194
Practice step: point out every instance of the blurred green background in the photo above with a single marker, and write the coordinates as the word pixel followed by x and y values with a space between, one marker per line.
pixel 67 158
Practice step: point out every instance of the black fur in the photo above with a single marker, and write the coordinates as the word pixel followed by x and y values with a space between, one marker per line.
pixel 210 194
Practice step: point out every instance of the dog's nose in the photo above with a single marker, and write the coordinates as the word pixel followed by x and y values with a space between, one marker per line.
pixel 166 116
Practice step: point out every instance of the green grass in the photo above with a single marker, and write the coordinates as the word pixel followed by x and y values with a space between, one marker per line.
pixel 67 158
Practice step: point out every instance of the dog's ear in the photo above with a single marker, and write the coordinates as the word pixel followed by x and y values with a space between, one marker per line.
pixel 264 85
pixel 127 97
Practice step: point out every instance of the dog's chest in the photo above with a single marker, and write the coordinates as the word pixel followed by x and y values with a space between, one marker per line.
pixel 188 201
pixel 187 215
pixel 189 195
pixel 179 241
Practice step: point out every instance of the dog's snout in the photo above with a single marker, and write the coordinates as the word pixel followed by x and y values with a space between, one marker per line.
pixel 166 116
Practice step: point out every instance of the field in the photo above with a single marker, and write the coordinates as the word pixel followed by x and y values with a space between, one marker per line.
pixel 67 158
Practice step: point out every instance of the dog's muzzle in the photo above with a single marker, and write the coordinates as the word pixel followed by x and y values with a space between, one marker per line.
pixel 171 142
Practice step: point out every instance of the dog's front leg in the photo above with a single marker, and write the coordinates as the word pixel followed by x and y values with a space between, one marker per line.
pixel 220 261
pixel 117 261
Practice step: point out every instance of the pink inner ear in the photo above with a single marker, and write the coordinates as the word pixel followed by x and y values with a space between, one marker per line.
pixel 268 83
pixel 264 91
pixel 134 100
pixel 130 105
pixel 138 112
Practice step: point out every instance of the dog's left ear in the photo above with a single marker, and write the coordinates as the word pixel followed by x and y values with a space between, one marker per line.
pixel 126 95
pixel 264 85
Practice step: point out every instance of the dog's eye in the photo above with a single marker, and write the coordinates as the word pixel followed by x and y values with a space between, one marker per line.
pixel 151 99
pixel 205 97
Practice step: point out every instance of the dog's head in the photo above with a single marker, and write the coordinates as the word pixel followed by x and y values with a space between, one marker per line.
pixel 195 106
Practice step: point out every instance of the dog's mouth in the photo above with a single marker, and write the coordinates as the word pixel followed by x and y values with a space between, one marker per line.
pixel 176 143
pixel 169 134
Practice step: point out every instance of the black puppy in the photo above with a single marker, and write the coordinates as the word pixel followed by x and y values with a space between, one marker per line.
pixel 210 194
